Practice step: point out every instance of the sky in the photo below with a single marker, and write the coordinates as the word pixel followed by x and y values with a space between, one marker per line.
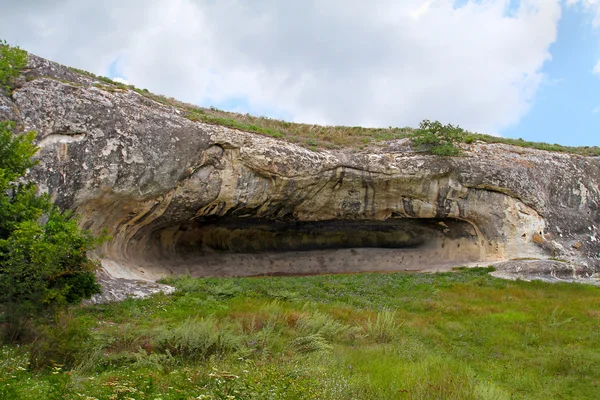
pixel 525 69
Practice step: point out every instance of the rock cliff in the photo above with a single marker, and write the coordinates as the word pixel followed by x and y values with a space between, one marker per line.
pixel 180 196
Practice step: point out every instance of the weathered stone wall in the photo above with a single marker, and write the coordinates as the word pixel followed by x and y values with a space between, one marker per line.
pixel 167 188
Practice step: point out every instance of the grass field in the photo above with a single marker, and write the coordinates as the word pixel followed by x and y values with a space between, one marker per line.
pixel 460 335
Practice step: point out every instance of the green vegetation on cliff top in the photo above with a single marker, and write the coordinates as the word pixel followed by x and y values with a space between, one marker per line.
pixel 12 61
pixel 336 137
pixel 309 135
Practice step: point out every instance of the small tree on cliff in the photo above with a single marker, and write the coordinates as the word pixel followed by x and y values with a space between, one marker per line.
pixel 440 139
pixel 43 253
pixel 12 61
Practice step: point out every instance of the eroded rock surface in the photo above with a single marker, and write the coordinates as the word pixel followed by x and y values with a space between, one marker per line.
pixel 186 197
pixel 546 270
pixel 118 289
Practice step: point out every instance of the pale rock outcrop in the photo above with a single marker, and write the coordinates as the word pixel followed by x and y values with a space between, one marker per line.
pixel 179 196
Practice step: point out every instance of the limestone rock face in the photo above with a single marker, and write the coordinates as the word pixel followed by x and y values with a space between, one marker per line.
pixel 179 196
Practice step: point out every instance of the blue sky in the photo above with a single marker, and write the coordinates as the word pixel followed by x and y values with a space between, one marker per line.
pixel 566 108
pixel 517 68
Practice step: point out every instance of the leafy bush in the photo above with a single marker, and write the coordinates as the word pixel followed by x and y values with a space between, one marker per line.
pixel 47 263
pixel 12 61
pixel 43 253
pixel 440 139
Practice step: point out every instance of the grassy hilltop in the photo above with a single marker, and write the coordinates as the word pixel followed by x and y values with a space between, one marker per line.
pixel 318 136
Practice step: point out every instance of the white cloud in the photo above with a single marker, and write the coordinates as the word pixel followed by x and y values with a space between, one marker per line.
pixel 322 61
pixel 596 69
pixel 421 10
pixel 592 6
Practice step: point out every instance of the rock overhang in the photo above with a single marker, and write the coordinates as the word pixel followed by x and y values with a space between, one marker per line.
pixel 165 187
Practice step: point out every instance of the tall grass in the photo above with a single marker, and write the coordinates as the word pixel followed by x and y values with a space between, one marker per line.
pixel 312 342
pixel 199 338
pixel 318 323
pixel 462 335
pixel 64 343
pixel 384 328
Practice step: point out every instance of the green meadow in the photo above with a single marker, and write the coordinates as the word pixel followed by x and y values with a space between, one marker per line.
pixel 457 335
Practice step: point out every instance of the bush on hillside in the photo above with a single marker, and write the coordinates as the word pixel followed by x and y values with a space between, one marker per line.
pixel 440 139
pixel 12 61
pixel 43 254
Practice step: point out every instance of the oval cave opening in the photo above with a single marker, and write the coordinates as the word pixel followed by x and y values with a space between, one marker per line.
pixel 234 246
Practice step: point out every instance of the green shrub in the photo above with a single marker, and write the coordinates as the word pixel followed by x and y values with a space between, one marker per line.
pixel 44 267
pixel 12 61
pixel 440 139
pixel 43 253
